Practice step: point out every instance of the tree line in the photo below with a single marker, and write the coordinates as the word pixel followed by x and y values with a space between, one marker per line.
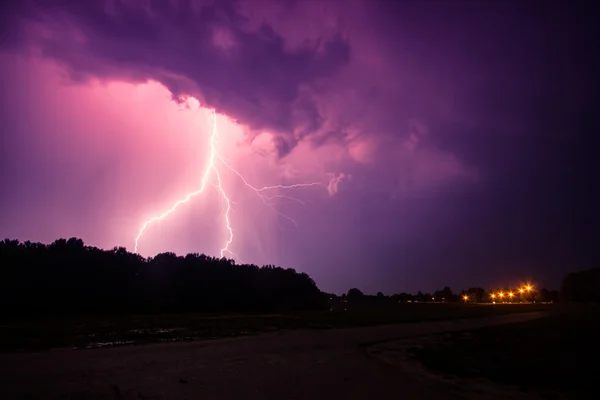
pixel 577 287
pixel 357 299
pixel 68 277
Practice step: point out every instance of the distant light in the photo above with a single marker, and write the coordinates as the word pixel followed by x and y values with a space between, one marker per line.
pixel 493 296
pixel 501 294
pixel 511 294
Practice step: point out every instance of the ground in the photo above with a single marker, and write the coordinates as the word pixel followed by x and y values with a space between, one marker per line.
pixel 28 334
pixel 300 364
pixel 551 358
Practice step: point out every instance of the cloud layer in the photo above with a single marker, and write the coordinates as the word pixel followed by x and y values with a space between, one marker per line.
pixel 302 71
pixel 421 119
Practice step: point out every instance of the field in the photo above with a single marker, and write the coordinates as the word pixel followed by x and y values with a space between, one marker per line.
pixel 552 357
pixel 28 334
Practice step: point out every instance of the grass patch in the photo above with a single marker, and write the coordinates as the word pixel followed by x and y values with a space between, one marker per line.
pixel 27 334
pixel 554 356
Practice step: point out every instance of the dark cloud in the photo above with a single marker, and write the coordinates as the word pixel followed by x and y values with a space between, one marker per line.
pixel 305 70
pixel 192 48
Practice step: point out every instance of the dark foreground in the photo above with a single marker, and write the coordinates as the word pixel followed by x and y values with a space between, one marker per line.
pixel 313 364
pixel 554 357
pixel 101 331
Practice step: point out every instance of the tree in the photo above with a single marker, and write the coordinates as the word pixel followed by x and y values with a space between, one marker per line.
pixel 544 295
pixel 477 295
pixel 445 295
pixel 582 286
pixel 67 277
pixel 354 294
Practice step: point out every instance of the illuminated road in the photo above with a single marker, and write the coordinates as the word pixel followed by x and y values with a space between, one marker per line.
pixel 293 365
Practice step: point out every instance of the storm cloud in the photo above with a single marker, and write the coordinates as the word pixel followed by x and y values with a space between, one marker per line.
pixel 442 130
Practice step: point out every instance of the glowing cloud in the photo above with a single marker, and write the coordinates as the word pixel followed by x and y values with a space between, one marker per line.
pixel 334 183
pixel 214 159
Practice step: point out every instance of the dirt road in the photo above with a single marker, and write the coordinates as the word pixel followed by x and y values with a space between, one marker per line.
pixel 330 364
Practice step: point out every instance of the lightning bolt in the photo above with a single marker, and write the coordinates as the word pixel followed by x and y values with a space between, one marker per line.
pixel 212 170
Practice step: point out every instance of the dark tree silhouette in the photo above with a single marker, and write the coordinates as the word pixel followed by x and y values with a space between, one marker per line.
pixel 67 277
pixel 477 295
pixel 543 295
pixel 445 295
pixel 402 297
pixel 582 286
pixel 354 294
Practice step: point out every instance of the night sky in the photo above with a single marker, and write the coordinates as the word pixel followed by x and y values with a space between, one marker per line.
pixel 452 140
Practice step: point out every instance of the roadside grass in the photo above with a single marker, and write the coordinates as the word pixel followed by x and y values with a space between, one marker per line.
pixel 32 334
pixel 555 357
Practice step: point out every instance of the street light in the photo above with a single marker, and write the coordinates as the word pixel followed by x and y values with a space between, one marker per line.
pixel 465 298
pixel 510 294
pixel 530 289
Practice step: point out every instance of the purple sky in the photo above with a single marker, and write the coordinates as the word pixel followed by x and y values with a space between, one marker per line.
pixel 451 138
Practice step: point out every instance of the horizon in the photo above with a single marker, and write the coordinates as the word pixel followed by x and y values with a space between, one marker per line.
pixel 515 283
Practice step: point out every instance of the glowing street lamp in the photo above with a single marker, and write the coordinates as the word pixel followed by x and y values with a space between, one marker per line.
pixel 465 298
pixel 530 290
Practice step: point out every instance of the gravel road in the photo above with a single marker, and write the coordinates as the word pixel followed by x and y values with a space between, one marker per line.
pixel 325 364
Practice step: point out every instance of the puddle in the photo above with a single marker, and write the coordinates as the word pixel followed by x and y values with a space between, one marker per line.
pixel 168 330
pixel 154 335
pixel 99 345
pixel 154 331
